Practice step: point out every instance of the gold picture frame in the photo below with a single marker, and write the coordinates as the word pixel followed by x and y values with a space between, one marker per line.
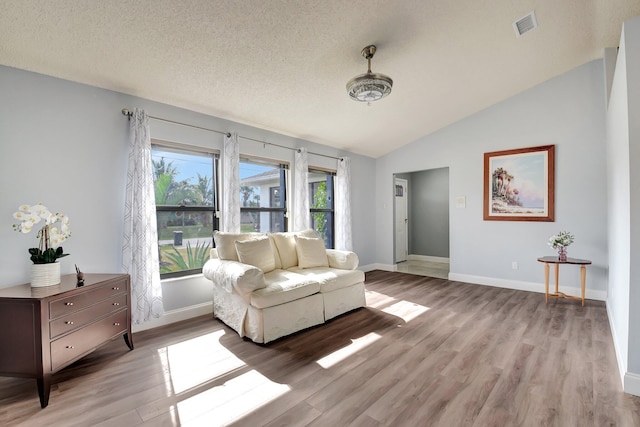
pixel 519 184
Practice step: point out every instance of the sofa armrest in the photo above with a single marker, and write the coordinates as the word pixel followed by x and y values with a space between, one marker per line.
pixel 213 254
pixel 343 260
pixel 234 276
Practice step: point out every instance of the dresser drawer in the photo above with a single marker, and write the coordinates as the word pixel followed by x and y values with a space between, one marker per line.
pixel 78 301
pixel 77 319
pixel 70 347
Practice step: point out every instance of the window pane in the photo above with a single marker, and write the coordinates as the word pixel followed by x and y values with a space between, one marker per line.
pixel 184 238
pixel 261 222
pixel 321 190
pixel 182 178
pixel 276 222
pixel 262 192
pixel 259 185
pixel 321 186
pixel 185 191
pixel 322 222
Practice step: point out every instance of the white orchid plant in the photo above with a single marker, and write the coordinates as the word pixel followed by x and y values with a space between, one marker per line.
pixel 51 237
pixel 562 239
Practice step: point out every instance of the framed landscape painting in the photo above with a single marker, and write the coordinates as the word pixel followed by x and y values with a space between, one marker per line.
pixel 519 184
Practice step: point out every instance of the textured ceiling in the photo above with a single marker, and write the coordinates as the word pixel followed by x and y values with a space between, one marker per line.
pixel 283 65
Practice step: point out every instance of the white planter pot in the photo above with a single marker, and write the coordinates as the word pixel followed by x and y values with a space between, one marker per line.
pixel 45 274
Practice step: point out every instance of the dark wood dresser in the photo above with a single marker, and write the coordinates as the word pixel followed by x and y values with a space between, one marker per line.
pixel 42 330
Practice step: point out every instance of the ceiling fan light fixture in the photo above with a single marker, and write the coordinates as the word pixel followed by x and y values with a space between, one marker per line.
pixel 370 86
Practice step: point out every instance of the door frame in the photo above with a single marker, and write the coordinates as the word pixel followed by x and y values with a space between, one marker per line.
pixel 405 184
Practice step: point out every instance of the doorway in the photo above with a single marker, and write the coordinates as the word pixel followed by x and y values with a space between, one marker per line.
pixel 421 222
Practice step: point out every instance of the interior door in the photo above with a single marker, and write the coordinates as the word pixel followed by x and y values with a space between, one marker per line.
pixel 401 219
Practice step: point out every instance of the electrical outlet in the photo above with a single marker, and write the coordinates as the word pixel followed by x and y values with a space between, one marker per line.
pixel 514 265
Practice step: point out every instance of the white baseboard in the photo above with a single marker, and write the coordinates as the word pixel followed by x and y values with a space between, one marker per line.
pixel 622 367
pixel 427 258
pixel 377 266
pixel 499 283
pixel 632 383
pixel 174 316
pixel 524 286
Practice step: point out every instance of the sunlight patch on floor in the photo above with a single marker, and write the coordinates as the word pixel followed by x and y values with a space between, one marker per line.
pixel 406 310
pixel 377 300
pixel 231 401
pixel 355 346
pixel 190 363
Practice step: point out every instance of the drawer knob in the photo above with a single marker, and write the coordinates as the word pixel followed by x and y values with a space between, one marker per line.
pixel 116 303
pixel 68 303
pixel 116 324
pixel 115 288
pixel 69 322
pixel 70 347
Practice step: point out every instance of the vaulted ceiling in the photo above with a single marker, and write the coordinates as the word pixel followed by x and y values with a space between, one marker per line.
pixel 282 65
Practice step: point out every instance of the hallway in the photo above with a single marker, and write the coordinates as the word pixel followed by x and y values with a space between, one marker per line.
pixel 424 268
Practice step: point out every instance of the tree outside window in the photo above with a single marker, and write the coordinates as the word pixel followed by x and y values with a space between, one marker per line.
pixel 321 186
pixel 185 191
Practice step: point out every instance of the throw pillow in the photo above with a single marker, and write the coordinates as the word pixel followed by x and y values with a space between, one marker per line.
pixel 256 252
pixel 226 243
pixel 311 252
pixel 286 245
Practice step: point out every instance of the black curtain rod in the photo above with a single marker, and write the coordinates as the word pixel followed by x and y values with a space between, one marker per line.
pixel 128 113
pixel 289 148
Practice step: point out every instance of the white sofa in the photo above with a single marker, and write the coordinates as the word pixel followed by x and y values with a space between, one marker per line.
pixel 268 285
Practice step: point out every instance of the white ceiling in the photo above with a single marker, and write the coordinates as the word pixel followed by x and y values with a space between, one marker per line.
pixel 282 65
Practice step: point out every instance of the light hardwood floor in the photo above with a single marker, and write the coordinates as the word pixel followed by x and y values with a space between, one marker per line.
pixel 425 351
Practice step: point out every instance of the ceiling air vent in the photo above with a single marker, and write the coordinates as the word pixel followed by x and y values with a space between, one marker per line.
pixel 525 24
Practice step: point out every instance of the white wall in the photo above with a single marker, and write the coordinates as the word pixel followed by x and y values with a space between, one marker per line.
pixel 567 111
pixel 623 159
pixel 632 35
pixel 66 144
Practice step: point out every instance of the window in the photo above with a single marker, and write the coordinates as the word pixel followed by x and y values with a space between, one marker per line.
pixel 186 200
pixel 321 185
pixel 263 196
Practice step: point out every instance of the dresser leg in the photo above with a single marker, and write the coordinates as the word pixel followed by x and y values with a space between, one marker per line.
pixel 128 340
pixel 44 386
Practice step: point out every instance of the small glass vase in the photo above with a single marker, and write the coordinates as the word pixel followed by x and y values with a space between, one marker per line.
pixel 562 253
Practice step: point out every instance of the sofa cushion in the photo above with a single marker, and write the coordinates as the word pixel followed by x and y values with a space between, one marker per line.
pixel 283 286
pixel 311 252
pixel 331 279
pixel 257 252
pixel 274 249
pixel 286 245
pixel 226 243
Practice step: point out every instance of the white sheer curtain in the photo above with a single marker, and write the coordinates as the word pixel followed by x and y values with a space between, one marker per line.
pixel 301 191
pixel 343 205
pixel 140 248
pixel 231 182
